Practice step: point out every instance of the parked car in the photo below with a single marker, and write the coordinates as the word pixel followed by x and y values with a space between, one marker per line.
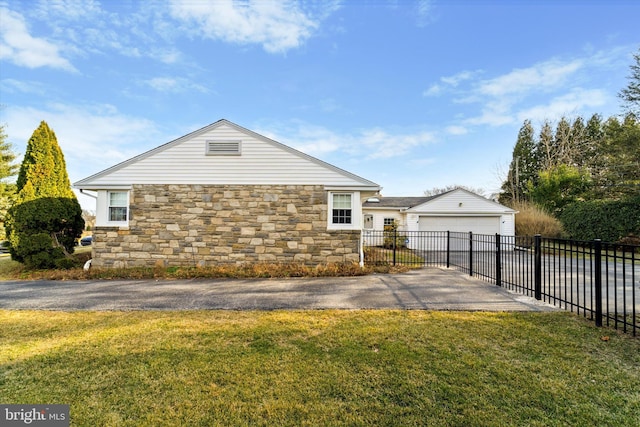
pixel 4 247
pixel 86 241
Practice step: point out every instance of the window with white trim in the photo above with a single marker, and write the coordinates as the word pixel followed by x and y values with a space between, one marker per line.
pixel 389 221
pixel 342 210
pixel 118 206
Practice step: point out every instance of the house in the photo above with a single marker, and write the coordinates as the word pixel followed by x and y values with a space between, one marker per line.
pixel 225 194
pixel 458 210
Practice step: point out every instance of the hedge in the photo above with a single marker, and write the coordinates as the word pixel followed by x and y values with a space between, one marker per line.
pixel 608 220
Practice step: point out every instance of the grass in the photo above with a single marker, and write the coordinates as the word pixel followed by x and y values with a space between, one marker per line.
pixel 532 220
pixel 382 256
pixel 208 368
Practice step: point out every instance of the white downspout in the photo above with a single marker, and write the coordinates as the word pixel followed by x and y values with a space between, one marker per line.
pixel 82 191
pixel 361 244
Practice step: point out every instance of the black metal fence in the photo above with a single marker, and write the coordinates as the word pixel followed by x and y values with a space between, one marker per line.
pixel 597 280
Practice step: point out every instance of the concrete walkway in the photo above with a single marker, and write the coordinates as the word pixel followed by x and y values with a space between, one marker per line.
pixel 429 288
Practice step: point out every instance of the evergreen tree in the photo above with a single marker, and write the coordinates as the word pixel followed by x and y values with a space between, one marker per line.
pixel 46 219
pixel 8 169
pixel 578 140
pixel 562 143
pixel 621 175
pixel 524 167
pixel 592 154
pixel 631 94
pixel 544 147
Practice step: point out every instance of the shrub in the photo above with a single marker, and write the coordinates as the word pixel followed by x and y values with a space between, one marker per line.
pixel 532 220
pixel 609 220
pixel 66 263
pixel 391 232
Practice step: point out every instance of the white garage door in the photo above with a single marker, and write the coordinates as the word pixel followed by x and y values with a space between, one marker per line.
pixel 489 225
pixel 476 224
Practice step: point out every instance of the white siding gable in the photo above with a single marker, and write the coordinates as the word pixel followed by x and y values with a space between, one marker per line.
pixel 192 159
pixel 460 202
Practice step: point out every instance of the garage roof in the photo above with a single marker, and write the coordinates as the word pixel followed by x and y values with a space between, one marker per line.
pixel 397 202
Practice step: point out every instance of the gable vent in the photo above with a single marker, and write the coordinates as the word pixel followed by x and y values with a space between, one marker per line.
pixel 223 148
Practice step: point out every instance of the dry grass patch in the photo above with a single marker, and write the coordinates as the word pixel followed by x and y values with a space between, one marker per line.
pixel 320 368
pixel 532 220
pixel 11 270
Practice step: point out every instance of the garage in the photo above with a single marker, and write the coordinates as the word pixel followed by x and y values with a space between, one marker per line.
pixel 458 211
pixel 489 225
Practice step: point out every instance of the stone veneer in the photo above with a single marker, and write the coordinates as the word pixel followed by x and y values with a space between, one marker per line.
pixel 203 225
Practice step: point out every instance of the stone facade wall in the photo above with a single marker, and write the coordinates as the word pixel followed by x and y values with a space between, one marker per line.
pixel 203 225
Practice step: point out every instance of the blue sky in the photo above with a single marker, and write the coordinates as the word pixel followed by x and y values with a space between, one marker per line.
pixel 409 94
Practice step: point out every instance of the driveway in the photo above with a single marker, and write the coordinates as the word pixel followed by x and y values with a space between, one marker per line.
pixel 430 288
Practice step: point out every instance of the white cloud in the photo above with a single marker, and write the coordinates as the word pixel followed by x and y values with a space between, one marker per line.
pixel 375 143
pixel 546 75
pixel 67 10
pixel 545 90
pixel 450 82
pixel 381 144
pixel 496 112
pixel 424 9
pixel 456 130
pixel 171 56
pixel 142 29
pixel 276 25
pixel 22 86
pixel 92 137
pixel 174 85
pixel 565 105
pixel 434 90
pixel 455 79
pixel 310 139
pixel 17 45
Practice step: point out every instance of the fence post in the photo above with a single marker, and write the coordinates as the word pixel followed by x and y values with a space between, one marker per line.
pixel 498 262
pixel 448 246
pixel 394 245
pixel 538 266
pixel 471 253
pixel 598 276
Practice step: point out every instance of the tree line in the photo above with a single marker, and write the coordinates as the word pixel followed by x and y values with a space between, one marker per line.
pixel 586 173
pixel 575 161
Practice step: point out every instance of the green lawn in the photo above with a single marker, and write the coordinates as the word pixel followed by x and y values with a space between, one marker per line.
pixel 328 367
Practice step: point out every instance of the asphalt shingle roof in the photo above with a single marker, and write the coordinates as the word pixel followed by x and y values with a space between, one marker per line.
pixel 398 202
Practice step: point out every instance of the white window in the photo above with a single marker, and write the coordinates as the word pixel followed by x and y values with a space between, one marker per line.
pixel 389 221
pixel 341 210
pixel 118 206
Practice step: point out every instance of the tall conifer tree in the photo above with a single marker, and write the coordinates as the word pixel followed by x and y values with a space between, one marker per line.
pixel 8 170
pixel 631 94
pixel 545 147
pixel 524 167
pixel 46 219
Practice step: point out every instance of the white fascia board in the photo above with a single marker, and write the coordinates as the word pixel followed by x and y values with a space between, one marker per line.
pixel 351 188
pixel 102 187
pixel 384 208
pixel 496 214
